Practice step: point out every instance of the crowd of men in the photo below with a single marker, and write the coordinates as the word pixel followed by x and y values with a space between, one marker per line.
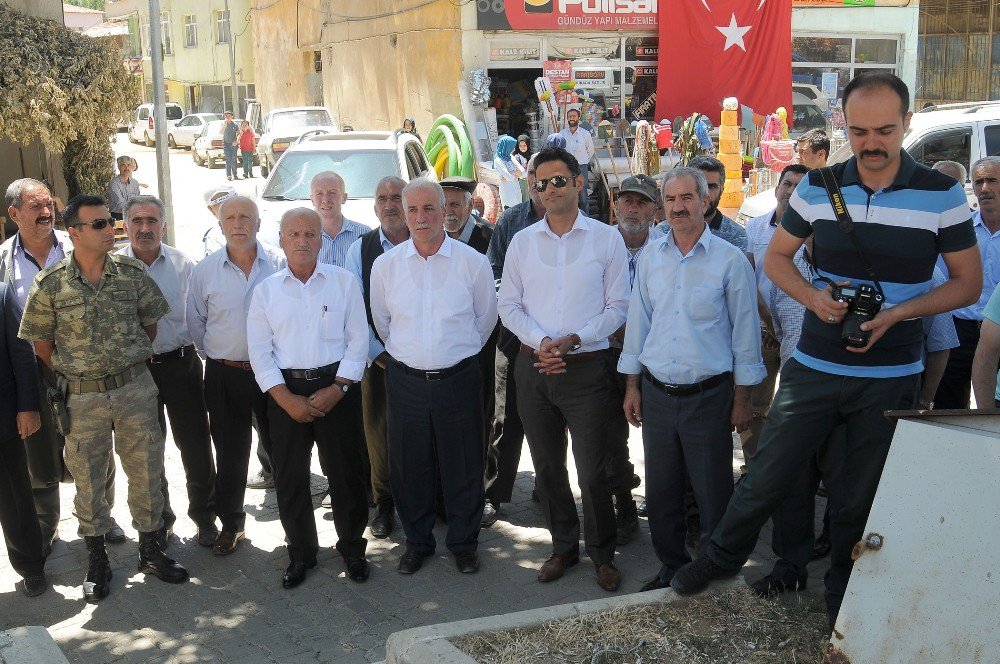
pixel 419 355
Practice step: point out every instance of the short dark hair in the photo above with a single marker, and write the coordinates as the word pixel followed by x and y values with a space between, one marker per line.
pixel 879 79
pixel 707 164
pixel 71 213
pixel 816 139
pixel 557 154
pixel 792 168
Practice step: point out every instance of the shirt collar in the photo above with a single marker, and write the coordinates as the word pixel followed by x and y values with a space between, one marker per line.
pixel 56 242
pixel 384 240
pixel 73 270
pixel 705 240
pixel 160 255
pixel 443 250
pixel 261 253
pixel 907 167
pixel 318 271
pixel 466 233
pixel 578 224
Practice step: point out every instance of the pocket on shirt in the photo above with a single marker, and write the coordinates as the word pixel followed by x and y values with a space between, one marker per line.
pixel 70 309
pixel 704 303
pixel 332 327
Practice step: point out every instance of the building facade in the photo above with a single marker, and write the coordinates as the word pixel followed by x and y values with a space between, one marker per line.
pixel 197 36
pixel 959 51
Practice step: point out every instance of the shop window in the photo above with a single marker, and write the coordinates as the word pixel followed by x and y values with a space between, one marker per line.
pixel 992 133
pixel 821 49
pixel 953 145
pixel 597 48
pixel 875 51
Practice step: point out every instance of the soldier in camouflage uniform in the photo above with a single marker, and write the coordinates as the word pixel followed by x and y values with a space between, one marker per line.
pixel 92 317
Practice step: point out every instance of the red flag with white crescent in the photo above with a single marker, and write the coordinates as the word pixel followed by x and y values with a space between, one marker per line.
pixel 712 49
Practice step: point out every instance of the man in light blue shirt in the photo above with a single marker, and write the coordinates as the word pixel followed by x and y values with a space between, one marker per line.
pixel 693 341
pixel 328 193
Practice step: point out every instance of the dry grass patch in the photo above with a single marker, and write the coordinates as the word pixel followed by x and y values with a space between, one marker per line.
pixel 717 628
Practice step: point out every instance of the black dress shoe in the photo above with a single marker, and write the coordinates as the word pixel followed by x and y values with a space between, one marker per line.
pixel 384 520
pixel 411 561
pixel 489 515
pixel 33 586
pixel 695 576
pixel 770 587
pixel 642 510
pixel 821 549
pixel 656 583
pixel 467 562
pixel 295 573
pixel 358 569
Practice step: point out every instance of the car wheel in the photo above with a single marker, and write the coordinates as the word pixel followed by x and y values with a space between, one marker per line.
pixel 211 161
pixel 171 143
pixel 264 170
pixel 148 141
pixel 194 155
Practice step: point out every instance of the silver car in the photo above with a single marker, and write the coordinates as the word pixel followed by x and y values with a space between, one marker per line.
pixel 187 129
pixel 207 148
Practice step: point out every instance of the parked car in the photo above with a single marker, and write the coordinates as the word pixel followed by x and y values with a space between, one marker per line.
pixel 806 114
pixel 361 158
pixel 207 149
pixel 957 132
pixel 187 129
pixel 281 127
pixel 141 126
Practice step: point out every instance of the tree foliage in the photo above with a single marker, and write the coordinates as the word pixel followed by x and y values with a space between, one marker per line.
pixel 89 4
pixel 65 90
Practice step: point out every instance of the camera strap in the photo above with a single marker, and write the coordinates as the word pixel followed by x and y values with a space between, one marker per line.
pixel 845 224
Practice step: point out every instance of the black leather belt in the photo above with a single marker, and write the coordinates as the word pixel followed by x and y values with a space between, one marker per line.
pixel 685 390
pixel 436 374
pixel 175 354
pixel 569 357
pixel 311 374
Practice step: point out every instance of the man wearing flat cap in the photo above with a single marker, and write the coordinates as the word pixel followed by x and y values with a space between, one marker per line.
pixel 461 225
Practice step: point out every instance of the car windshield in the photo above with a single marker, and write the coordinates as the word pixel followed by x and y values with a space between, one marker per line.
pixel 361 170
pixel 175 112
pixel 295 119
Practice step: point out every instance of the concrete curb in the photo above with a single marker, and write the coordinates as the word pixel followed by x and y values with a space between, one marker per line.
pixel 29 645
pixel 432 644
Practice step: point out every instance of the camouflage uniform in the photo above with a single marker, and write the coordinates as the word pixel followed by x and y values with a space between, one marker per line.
pixel 98 332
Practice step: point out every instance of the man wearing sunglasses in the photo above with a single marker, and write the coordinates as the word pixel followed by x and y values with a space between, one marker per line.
pixel 564 291
pixel 92 318
pixel 36 246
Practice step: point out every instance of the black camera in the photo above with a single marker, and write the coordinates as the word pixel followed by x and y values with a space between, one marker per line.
pixel 863 303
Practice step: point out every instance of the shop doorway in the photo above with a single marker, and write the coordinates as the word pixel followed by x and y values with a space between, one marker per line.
pixel 512 94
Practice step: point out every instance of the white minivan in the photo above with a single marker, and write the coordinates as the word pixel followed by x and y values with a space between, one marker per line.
pixel 141 127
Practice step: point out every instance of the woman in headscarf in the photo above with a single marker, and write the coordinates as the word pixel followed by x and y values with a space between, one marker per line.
pixel 508 171
pixel 410 127
pixel 522 153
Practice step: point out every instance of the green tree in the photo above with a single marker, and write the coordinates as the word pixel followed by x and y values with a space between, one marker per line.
pixel 89 4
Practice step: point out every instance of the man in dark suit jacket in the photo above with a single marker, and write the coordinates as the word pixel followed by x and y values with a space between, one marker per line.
pixel 19 418
pixel 461 225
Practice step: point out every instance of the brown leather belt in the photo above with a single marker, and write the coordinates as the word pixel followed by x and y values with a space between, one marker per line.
pixel 572 357
pixel 80 385
pixel 245 366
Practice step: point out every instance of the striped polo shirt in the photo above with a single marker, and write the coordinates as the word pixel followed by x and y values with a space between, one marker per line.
pixel 901 229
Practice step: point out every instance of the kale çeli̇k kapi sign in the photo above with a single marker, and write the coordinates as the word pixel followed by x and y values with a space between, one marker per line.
pixel 562 14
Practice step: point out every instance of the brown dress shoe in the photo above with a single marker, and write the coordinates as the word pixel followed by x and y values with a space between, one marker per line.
pixel 227 542
pixel 556 566
pixel 608 577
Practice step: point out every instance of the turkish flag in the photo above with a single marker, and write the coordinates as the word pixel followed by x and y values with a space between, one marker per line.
pixel 713 49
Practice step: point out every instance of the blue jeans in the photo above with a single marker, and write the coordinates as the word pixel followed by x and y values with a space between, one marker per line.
pixel 247 163
pixel 230 153
pixel 585 192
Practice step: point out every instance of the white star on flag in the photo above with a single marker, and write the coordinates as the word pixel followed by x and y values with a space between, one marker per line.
pixel 734 34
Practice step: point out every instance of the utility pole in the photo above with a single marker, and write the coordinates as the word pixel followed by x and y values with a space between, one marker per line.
pixel 232 63
pixel 160 118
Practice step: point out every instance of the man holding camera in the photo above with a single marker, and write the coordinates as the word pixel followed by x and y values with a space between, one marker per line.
pixel 847 368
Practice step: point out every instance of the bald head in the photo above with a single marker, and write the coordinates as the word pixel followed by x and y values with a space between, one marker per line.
pixel 301 238
pixel 328 193
pixel 299 214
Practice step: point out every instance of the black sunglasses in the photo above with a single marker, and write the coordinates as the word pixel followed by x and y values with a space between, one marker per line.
pixel 558 181
pixel 97 224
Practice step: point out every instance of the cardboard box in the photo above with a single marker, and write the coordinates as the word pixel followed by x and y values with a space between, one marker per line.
pixel 730 119
pixel 727 133
pixel 731 199
pixel 732 162
pixel 730 147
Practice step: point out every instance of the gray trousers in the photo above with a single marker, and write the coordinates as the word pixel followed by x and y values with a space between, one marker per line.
pixel 685 436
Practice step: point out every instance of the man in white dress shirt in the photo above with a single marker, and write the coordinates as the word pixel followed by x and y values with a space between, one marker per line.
pixel 564 291
pixel 434 306
pixel 308 339
pixel 175 366
pixel 579 143
pixel 219 298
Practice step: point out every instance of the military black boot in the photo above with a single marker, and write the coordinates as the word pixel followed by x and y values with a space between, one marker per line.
pixel 152 560
pixel 98 581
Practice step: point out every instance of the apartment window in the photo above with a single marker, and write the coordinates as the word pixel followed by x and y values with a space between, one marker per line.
pixel 168 47
pixel 190 31
pixel 144 34
pixel 222 26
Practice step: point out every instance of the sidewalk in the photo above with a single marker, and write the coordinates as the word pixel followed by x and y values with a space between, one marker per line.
pixel 235 610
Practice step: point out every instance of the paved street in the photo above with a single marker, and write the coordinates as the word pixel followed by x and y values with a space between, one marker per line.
pixel 234 608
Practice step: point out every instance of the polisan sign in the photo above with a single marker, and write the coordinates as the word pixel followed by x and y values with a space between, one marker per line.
pixel 561 14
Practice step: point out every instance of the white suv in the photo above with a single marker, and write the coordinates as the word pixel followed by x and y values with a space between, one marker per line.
pixel 141 126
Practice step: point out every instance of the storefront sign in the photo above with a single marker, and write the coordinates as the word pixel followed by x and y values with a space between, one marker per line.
pixel 600 14
pixel 502 51
pixel 559 71
pixel 645 108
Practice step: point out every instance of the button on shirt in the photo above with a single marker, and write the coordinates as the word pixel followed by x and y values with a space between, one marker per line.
pixel 694 316
pixel 334 249
pixel 295 325
pixel 579 143
pixel 433 313
pixel 353 265
pixel 989 247
pixel 219 299
pixel 553 286
pixel 171 270
pixel 25 267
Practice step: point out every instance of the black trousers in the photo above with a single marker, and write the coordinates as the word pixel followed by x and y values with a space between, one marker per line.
pixel 232 396
pixel 956 384
pixel 44 450
pixel 437 426
pixel 579 399
pixel 507 432
pixel 182 399
pixel 685 437
pixel 21 531
pixel 808 406
pixel 337 436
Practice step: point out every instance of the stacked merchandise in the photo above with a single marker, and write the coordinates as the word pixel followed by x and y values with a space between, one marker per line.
pixel 731 154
